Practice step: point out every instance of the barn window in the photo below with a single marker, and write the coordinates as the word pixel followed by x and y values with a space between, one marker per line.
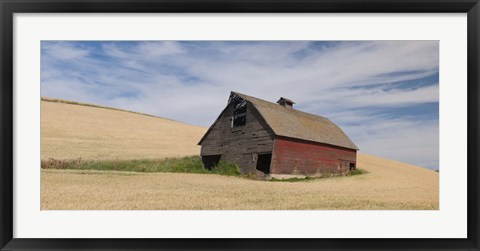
pixel 239 113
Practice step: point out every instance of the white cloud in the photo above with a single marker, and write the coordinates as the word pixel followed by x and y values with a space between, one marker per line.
pixel 414 142
pixel 62 51
pixel 394 97
pixel 159 49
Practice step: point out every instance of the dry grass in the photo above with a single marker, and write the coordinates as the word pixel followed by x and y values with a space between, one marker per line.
pixel 388 185
pixel 64 101
pixel 73 130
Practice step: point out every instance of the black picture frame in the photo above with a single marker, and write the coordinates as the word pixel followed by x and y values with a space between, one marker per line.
pixel 10 7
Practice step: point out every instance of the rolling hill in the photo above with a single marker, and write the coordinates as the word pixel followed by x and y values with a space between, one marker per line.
pixel 71 130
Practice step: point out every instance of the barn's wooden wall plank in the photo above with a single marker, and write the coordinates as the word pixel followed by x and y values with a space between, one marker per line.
pixel 293 156
pixel 240 144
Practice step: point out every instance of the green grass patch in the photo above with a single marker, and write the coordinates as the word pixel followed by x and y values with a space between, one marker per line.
pixel 292 179
pixel 191 164
pixel 226 168
pixel 357 171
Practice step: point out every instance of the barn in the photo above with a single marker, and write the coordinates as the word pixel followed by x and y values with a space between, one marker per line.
pixel 277 140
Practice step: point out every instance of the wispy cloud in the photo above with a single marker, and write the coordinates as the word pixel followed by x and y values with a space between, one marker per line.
pixel 384 94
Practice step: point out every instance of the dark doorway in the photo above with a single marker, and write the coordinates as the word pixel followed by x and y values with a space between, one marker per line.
pixel 211 161
pixel 263 163
pixel 352 166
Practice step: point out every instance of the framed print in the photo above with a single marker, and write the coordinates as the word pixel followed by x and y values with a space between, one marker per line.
pixel 239 125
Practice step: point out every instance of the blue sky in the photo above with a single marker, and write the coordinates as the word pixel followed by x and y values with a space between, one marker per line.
pixel 383 94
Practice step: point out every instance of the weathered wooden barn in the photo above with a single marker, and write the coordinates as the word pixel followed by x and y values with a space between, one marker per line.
pixel 276 139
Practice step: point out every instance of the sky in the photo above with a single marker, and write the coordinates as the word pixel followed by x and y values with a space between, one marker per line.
pixel 383 94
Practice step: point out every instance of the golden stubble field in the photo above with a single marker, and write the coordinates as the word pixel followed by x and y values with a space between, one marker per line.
pixel 388 185
pixel 72 131
pixel 75 131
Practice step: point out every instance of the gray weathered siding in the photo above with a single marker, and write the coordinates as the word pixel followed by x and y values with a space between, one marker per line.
pixel 240 144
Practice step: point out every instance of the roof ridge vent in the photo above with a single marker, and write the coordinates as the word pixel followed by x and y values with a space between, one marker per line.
pixel 285 102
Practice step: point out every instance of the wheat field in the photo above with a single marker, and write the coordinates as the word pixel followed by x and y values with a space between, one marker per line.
pixel 388 185
pixel 72 131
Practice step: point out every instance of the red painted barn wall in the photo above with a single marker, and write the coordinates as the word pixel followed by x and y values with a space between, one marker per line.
pixel 292 156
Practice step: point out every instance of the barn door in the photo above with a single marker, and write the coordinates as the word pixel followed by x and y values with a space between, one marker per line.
pixel 211 161
pixel 352 166
pixel 263 163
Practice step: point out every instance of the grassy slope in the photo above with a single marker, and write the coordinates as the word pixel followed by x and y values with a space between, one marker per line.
pixel 72 131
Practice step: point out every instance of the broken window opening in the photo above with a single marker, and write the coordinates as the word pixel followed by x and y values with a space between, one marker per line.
pixel 239 113
pixel 240 107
